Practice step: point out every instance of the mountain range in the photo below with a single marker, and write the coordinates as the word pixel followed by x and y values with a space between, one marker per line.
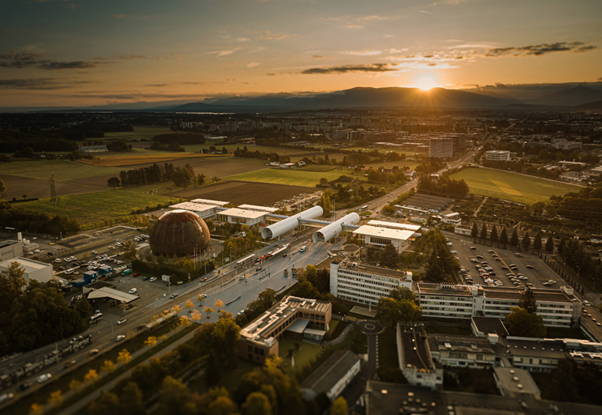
pixel 575 97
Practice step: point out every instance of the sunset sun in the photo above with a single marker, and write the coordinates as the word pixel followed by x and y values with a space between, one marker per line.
pixel 425 83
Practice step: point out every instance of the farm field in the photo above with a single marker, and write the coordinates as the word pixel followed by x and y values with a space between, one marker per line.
pixel 139 133
pixel 509 186
pixel 64 170
pixel 243 192
pixel 93 207
pixel 297 177
pixel 132 160
pixel 17 187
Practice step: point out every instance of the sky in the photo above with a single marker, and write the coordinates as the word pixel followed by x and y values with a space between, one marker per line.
pixel 93 52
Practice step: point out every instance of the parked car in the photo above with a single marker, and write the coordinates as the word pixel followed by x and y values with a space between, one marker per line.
pixel 145 279
pixel 153 279
pixel 530 267
pixel 473 248
pixel 133 291
pixel 174 295
pixel 93 352
pixel 6 397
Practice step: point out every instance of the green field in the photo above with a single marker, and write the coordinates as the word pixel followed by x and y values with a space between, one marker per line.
pixel 297 177
pixel 510 186
pixel 94 207
pixel 64 170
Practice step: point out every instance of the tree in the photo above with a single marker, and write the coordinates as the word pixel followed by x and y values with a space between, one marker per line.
pixel 339 407
pixel 528 302
pixel 113 182
pixel 108 366
pixel 124 356
pixel 219 341
pixel 475 230
pixel 504 237
pixel 257 404
pixel 493 235
pixel 392 311
pixel 389 256
pixel 550 244
pixel 2 187
pixel 523 324
pixel 55 398
pixel 172 394
pixel 484 232
pixel 562 246
pixel 526 241
pixel 200 179
pixel 537 244
pixel 514 238
pixel 91 376
pixel 323 180
pixel 403 293
pixel 388 210
pixel 434 269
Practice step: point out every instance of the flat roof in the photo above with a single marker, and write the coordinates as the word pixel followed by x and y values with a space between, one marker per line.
pixel 329 373
pixel 488 325
pixel 515 293
pixel 298 326
pixel 443 289
pixel 107 292
pixel 468 344
pixel 414 347
pixel 259 208
pixel 194 207
pixel 29 264
pixel 373 231
pixel 395 225
pixel 7 243
pixel 210 202
pixel 369 269
pixel 241 213
pixel 511 378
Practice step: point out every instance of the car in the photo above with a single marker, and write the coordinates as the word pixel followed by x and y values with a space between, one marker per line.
pixel 530 267
pixel 479 256
pixel 547 284
pixel 57 260
pixel 174 295
pixel 598 324
pixel 204 296
pixel 145 279
pixel 120 337
pixel 491 251
pixel 133 291
pixel 454 252
pixel 44 378
pixel 241 312
pixel 153 279
pixel 24 386
pixel 70 363
pixel 6 397
pixel 93 352
pixel 136 274
pixel 587 303
pixel 497 259
pixel 518 254
pixel 505 268
pixel 449 244
pixel 94 252
pixel 258 269
pixel 30 253
pixel 126 272
pixel 473 248
pixel 203 279
pixel 123 320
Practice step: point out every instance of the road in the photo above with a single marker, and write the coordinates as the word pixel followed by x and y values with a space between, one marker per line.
pixel 217 288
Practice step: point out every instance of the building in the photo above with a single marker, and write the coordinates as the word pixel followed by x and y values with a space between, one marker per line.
pixel 258 208
pixel 441 147
pixel 242 216
pixel 515 383
pixel 219 203
pixel 10 250
pixel 381 237
pixel 362 283
pixel 394 225
pixel 203 211
pixel 462 351
pixel 451 218
pixel 34 270
pixel 483 326
pixel 497 155
pixel 332 376
pixel 93 149
pixel 415 359
pixel 300 317
pixel 465 301
pixel 179 232
pixel 462 231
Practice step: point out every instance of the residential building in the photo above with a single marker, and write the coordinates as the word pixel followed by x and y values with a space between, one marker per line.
pixel 363 283
pixel 441 147
pixel 415 360
pixel 34 270
pixel 497 155
pixel 300 317
pixel 332 376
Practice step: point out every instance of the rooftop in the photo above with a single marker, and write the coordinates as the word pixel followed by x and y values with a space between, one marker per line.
pixel 395 225
pixel 514 293
pixel 489 325
pixel 195 207
pixel 262 326
pixel 210 202
pixel 415 352
pixel 241 213
pixel 369 269
pixel 7 243
pixel 469 344
pixel 444 289
pixel 329 373
pixel 374 231
pixel 30 265
pixel 516 381
pixel 259 208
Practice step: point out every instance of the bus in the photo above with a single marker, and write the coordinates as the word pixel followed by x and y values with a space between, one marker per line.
pixel 246 261
pixel 96 318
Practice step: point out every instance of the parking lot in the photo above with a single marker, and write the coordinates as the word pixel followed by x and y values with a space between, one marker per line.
pixel 497 259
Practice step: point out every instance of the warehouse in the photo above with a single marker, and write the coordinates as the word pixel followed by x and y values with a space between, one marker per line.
pixel 34 270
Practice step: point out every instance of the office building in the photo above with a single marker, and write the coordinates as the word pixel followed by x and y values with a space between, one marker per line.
pixel 441 147
pixel 497 155
pixel 380 237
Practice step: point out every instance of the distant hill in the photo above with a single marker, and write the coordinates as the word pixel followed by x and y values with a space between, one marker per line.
pixel 590 106
pixel 352 98
pixel 569 97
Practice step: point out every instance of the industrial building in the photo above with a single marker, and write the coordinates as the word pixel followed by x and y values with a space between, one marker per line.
pixel 452 301
pixel 497 155
pixel 363 283
pixel 10 250
pixel 179 232
pixel 299 317
pixel 34 270
pixel 441 147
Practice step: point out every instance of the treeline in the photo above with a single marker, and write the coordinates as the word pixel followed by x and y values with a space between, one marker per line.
pixel 262 155
pixel 166 147
pixel 382 175
pixel 25 220
pixel 33 315
pixel 180 138
pixel 443 186
pixel 431 250
pixel 586 205
pixel 97 129
pixel 146 175
pixel 578 258
pixel 430 167
pixel 16 142
pixel 575 382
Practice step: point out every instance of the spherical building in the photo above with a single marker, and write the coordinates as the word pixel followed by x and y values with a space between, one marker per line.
pixel 179 232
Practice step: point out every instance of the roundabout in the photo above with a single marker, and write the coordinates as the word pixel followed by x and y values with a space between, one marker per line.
pixel 370 327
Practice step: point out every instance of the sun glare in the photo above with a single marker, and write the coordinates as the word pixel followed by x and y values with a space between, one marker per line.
pixel 425 83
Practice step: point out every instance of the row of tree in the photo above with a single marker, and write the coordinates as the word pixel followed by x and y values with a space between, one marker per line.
pixel 443 186
pixel 26 220
pixel 502 238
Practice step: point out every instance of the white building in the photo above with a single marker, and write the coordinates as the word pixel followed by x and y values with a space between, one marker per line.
pixel 10 250
pixel 381 237
pixel 35 270
pixel 497 155
pixel 451 218
pixel 210 202
pixel 400 226
pixel 446 300
pixel 203 211
pixel 364 284
pixel 258 208
pixel 242 216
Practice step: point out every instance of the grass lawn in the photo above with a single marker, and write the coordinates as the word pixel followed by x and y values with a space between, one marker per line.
pixel 296 177
pixel 391 164
pixel 387 349
pixel 510 186
pixel 302 357
pixel 63 170
pixel 93 207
